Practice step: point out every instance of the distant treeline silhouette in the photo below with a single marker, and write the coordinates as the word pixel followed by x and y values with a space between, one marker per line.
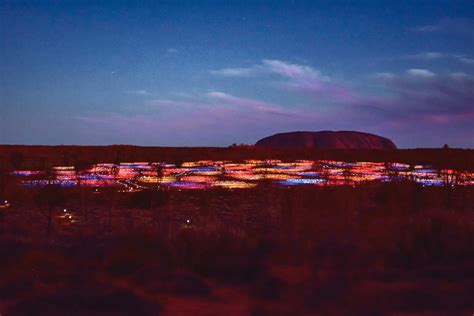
pixel 42 157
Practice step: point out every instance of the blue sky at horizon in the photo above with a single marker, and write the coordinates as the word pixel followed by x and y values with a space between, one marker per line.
pixel 209 73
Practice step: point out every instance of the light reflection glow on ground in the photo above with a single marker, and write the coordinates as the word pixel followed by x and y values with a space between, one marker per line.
pixel 231 175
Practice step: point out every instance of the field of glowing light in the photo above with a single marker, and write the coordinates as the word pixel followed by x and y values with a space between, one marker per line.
pixel 230 175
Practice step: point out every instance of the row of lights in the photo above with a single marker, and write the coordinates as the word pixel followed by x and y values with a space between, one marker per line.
pixel 67 216
pixel 5 204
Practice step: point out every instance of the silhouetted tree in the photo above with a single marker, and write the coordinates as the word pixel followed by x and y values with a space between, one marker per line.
pixel 49 197
pixel 79 167
pixel 4 176
pixel 112 195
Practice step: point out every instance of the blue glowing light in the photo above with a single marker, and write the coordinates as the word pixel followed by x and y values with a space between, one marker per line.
pixel 301 181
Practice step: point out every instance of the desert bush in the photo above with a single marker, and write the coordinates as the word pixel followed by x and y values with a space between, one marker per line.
pixel 157 279
pixel 220 253
pixel 112 302
pixel 435 238
pixel 128 255
pixel 267 287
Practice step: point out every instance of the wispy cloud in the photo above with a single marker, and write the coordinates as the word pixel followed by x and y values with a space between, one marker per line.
pixel 298 78
pixel 385 75
pixel 236 72
pixel 433 99
pixel 141 92
pixel 424 73
pixel 427 28
pixel 427 55
pixel 214 102
pixel 256 105
pixel 461 76
pixel 171 50
pixel 230 99
pixel 459 25
pixel 305 79
pixel 269 66
pixel 290 70
pixel 174 103
pixel 467 60
pixel 432 56
pixel 447 118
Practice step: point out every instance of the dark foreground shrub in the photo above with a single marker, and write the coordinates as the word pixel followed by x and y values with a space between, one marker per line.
pixel 220 254
pixel 436 239
pixel 155 280
pixel 267 287
pixel 129 255
pixel 13 287
pixel 117 303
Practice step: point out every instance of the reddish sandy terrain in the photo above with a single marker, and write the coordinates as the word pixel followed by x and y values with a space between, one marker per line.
pixel 379 249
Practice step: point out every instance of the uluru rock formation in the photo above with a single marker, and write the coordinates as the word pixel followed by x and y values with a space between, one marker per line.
pixel 327 140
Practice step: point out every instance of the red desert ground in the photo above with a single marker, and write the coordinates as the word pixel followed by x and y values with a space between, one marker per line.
pixel 327 223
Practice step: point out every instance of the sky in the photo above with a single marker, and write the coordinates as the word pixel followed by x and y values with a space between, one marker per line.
pixel 214 73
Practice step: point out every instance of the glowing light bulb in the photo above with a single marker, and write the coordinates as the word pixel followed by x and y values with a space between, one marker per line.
pixel 64 210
